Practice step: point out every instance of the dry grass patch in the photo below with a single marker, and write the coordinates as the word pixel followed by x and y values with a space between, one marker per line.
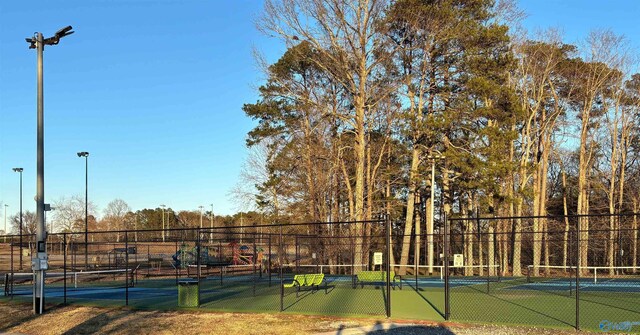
pixel 17 318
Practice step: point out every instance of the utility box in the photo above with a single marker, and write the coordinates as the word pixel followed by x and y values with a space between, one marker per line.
pixel 188 293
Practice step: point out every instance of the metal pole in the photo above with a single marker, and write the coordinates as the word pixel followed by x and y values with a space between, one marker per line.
pixel 20 218
pixel 11 286
pixel 447 307
pixel 578 275
pixel 280 270
pixel 431 217
pixel 297 255
pixel 211 226
pixel 126 267
pixel 163 206
pixel 41 249
pixel 387 226
pixel 178 258
pixel 198 264
pixel 255 259
pixel 488 261
pixel 220 259
pixel 416 254
pixel 269 268
pixel 86 211
pixel 64 266
pixel 5 223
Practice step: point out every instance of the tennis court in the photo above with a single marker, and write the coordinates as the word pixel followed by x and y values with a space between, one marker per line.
pixel 508 300
pixel 235 276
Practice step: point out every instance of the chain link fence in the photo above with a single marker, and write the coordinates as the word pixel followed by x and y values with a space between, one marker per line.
pixel 545 271
pixel 511 270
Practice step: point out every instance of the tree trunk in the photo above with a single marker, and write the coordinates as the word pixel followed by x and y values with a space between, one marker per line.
pixel 565 210
pixel 408 223
pixel 468 238
pixel 517 240
pixel 388 203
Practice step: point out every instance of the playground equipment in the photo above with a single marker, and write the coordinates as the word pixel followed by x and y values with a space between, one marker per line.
pixel 243 256
pixel 186 256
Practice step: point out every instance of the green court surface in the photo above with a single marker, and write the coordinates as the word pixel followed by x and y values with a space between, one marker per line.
pixel 511 301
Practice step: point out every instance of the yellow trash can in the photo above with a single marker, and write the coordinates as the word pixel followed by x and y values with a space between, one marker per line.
pixel 188 295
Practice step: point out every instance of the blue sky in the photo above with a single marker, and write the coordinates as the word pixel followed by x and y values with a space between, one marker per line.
pixel 154 90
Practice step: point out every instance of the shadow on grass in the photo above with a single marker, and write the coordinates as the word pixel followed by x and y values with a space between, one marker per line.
pixel 411 330
pixel 419 292
pixel 102 320
pixel 519 305
pixel 394 329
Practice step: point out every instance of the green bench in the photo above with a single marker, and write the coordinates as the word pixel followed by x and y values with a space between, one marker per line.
pixel 312 281
pixel 377 277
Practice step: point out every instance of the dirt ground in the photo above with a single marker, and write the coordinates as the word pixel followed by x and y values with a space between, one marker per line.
pixel 18 319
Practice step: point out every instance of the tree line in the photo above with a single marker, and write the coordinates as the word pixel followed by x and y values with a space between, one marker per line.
pixel 68 216
pixel 370 95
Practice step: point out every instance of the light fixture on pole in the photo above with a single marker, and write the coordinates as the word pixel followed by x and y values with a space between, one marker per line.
pixel 19 170
pixel 86 206
pixel 433 158
pixel 40 261
pixel 163 206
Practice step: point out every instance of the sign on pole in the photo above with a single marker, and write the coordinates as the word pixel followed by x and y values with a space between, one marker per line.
pixel 458 260
pixel 377 258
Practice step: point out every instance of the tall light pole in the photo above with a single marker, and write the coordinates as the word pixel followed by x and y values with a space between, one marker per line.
pixel 163 206
pixel 211 226
pixel 86 206
pixel 40 262
pixel 433 158
pixel 201 207
pixel 5 220
pixel 19 170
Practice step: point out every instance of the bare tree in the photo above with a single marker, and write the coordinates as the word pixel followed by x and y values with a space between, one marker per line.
pixel 68 214
pixel 345 35
pixel 28 223
pixel 115 215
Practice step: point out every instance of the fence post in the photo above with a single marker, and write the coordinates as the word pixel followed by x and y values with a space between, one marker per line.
pixel 126 267
pixel 578 274
pixel 416 254
pixel 255 260
pixel 280 270
pixel 480 253
pixel 387 226
pixel 198 253
pixel 11 286
pixel 223 267
pixel 64 266
pixel 178 260
pixel 297 255
pixel 447 296
pixel 269 267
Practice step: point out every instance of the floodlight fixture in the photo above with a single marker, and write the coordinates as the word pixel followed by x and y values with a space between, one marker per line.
pixel 55 39
pixel 83 154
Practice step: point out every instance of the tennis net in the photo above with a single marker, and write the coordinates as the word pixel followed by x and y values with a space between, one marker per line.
pixel 610 275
